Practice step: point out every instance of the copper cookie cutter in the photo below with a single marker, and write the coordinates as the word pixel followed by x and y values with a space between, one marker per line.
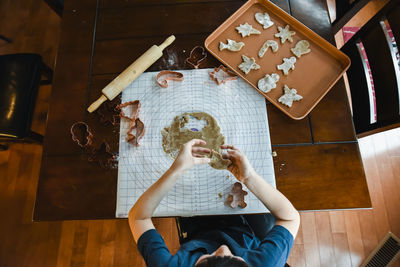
pixel 167 75
pixel 82 134
pixel 227 75
pixel 196 56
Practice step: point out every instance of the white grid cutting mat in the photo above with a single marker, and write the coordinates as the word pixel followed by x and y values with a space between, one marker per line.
pixel 241 113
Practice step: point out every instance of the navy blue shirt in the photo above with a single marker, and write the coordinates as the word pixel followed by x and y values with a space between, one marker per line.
pixel 273 250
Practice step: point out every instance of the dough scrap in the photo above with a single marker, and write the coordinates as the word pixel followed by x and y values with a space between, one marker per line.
pixel 288 64
pixel 268 83
pixel 218 162
pixel 248 64
pixel 231 45
pixel 302 47
pixel 289 96
pixel 264 19
pixel 246 30
pixel 236 196
pixel 269 43
pixel 285 34
pixel 175 135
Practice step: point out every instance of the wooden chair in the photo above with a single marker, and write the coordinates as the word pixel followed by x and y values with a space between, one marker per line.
pixel 20 77
pixel 345 10
pixel 375 99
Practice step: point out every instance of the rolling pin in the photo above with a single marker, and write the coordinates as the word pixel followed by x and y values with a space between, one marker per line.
pixel 131 73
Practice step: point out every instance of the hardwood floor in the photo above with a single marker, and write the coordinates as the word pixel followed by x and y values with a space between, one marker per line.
pixel 326 238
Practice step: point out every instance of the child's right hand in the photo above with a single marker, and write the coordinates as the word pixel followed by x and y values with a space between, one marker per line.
pixel 240 167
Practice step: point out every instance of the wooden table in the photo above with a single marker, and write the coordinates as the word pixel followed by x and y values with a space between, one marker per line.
pixel 318 164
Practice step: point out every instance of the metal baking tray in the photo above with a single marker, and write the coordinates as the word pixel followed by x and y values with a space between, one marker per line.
pixel 315 73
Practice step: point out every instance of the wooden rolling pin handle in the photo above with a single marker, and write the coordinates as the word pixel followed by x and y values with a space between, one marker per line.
pixel 96 104
pixel 167 42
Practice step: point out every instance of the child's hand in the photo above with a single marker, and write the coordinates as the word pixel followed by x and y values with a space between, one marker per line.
pixel 240 167
pixel 190 155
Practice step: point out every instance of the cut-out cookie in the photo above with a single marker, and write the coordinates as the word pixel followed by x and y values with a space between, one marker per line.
pixel 167 75
pixel 103 156
pixel 196 56
pixel 288 64
pixel 82 134
pixel 302 47
pixel 248 64
pixel 231 45
pixel 221 75
pixel 285 34
pixel 264 19
pixel 246 30
pixel 236 196
pixel 269 43
pixel 289 96
pixel 268 83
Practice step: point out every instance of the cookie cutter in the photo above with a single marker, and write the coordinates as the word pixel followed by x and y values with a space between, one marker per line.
pixel 226 73
pixel 103 156
pixel 140 131
pixel 196 56
pixel 135 109
pixel 164 76
pixel 81 134
pixel 236 196
pixel 135 122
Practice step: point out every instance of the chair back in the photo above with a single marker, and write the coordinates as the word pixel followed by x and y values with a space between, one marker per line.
pixel 374 75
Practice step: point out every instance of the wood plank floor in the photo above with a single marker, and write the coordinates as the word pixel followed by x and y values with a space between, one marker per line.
pixel 326 238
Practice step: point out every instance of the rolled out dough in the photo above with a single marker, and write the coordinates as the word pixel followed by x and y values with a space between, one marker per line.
pixel 175 135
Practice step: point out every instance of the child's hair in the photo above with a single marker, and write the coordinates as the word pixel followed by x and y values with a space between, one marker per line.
pixel 222 261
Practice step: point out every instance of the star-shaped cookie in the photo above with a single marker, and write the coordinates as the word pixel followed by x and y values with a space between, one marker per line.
pixel 285 34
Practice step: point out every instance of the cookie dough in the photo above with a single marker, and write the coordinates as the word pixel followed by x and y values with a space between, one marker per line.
pixel 248 64
pixel 176 134
pixel 285 34
pixel 231 45
pixel 246 30
pixel 289 96
pixel 302 47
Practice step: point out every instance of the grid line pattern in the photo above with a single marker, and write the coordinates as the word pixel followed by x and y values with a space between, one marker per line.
pixel 241 113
